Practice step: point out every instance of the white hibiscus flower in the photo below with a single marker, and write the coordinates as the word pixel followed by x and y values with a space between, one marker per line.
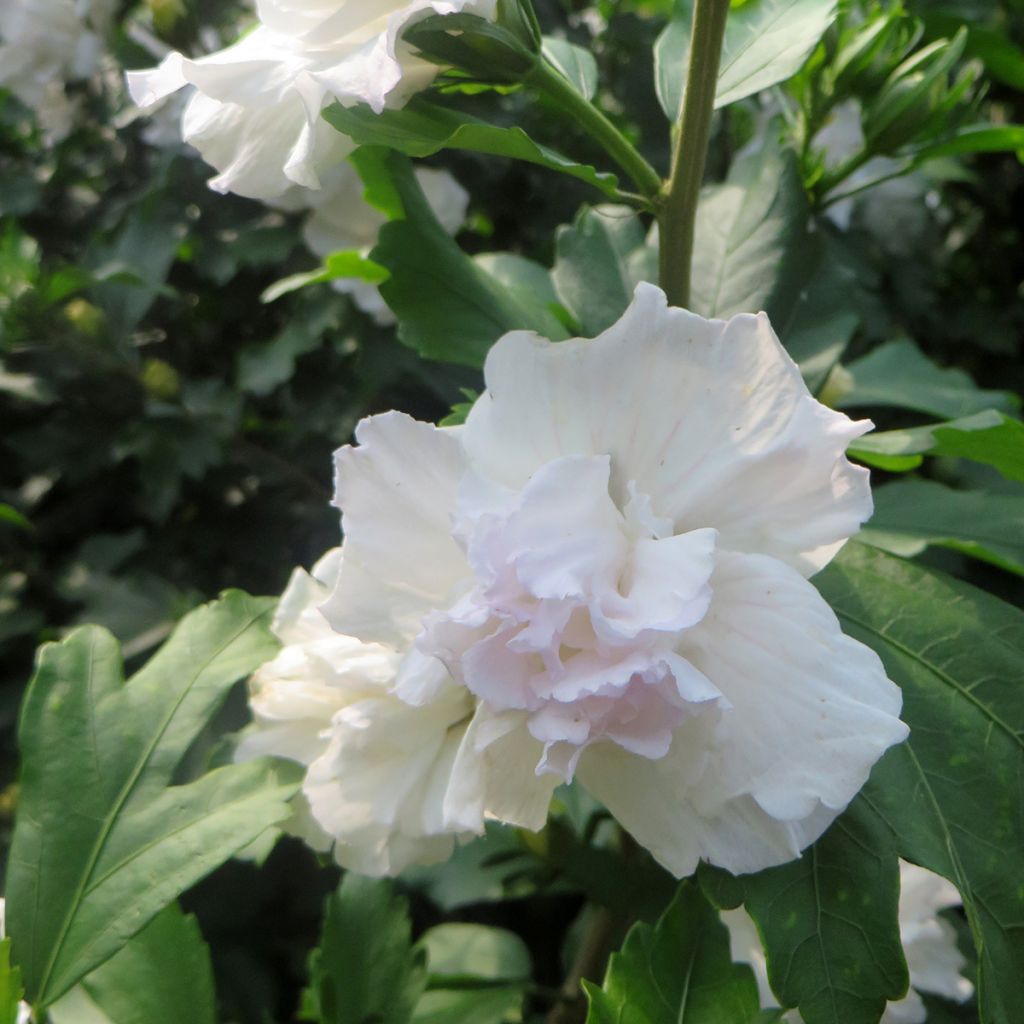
pixel 611 556
pixel 375 779
pixel 255 115
pixel 929 944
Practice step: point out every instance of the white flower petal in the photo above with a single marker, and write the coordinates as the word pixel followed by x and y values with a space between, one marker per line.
pixel 397 490
pixel 811 711
pixel 812 708
pixel 494 775
pixel 711 419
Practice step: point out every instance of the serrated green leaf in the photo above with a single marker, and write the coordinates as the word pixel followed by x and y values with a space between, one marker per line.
pixel 829 922
pixel 448 307
pixel 367 969
pixel 600 258
pixel 749 235
pixel 766 42
pixel 910 515
pixel 103 841
pixel 952 794
pixel 898 374
pixel 990 437
pixel 422 129
pixel 678 970
pixel 162 976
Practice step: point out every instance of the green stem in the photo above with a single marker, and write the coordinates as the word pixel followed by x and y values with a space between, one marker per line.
pixel 678 211
pixel 558 88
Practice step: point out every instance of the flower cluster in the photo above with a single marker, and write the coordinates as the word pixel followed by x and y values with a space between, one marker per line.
pixel 929 944
pixel 605 569
pixel 255 113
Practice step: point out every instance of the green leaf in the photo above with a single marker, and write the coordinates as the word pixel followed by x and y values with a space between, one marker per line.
pixel 345 264
pixel 912 514
pixel 530 283
pixel 829 921
pixel 12 517
pixel 10 985
pixel 952 794
pixel 898 374
pixel 975 138
pixel 988 437
pixel 679 970
pixel 577 64
pixel 448 307
pixel 162 976
pixel 749 236
pixel 477 975
pixel 103 841
pixel 600 258
pixel 422 129
pixel 766 42
pixel 367 970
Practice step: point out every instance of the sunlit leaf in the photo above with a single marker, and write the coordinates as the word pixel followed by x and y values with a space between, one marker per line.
pixel 103 841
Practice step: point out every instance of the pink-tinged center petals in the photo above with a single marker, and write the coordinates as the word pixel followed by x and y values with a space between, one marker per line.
pixel 576 611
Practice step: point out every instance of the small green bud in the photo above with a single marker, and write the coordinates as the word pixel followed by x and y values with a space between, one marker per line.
pixel 160 379
pixel 85 317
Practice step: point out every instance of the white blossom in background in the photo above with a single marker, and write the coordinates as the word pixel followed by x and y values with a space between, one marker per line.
pixel 375 779
pixel 611 556
pixel 255 112
pixel 929 944
pixel 341 219
pixel 43 45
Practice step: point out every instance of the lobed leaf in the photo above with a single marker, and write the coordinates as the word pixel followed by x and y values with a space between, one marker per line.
pixel 953 794
pixel 366 968
pixel 678 970
pixel 162 976
pixel 103 841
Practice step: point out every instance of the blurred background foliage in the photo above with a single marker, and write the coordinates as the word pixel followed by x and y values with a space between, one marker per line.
pixel 167 434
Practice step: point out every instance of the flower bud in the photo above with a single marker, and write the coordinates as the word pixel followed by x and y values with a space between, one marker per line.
pixel 917 97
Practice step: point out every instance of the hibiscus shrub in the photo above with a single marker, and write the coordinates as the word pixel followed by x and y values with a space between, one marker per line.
pixel 667 663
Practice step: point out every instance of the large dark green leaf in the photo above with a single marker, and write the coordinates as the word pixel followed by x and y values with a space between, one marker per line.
pixel 751 231
pixel 600 258
pixel 766 42
pixel 162 976
pixel 678 970
pixel 953 794
pixel 899 374
pixel 448 307
pixel 103 841
pixel 912 514
pixel 829 922
pixel 422 128
pixel 367 970
pixel 989 437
